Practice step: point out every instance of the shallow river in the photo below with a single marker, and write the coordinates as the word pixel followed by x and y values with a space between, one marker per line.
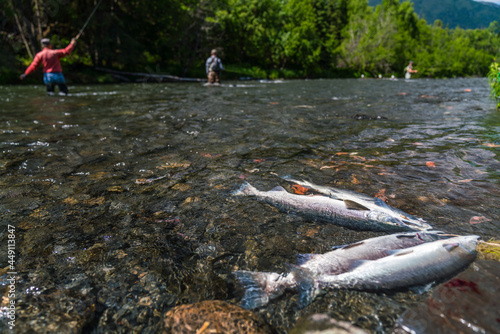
pixel 119 196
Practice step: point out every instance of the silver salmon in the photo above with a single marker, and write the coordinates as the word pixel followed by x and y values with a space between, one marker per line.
pixel 371 203
pixel 344 212
pixel 414 266
pixel 261 287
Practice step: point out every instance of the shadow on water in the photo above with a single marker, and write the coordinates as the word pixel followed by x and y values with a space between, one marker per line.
pixel 120 194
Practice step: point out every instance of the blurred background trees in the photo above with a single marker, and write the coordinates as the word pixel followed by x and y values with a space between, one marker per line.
pixel 265 38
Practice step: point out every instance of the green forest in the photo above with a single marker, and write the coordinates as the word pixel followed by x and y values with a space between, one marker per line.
pixel 255 38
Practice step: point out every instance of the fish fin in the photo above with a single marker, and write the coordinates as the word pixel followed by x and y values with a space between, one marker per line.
pixel 425 236
pixel 307 285
pixel 254 284
pixel 402 252
pixel 353 245
pixel 348 245
pixel 451 246
pixel 421 289
pixel 246 189
pixel 398 252
pixel 278 188
pixel 407 235
pixel 441 234
pixel 381 203
pixel 354 206
pixel 303 258
pixel 438 235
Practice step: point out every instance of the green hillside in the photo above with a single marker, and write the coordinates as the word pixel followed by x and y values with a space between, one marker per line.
pixel 466 14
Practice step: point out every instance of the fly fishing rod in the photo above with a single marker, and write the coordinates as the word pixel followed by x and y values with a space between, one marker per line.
pixel 88 20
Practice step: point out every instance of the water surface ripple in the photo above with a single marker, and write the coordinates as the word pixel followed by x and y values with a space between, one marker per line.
pixel 120 194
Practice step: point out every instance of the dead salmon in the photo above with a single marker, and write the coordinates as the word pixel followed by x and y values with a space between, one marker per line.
pixel 261 287
pixel 371 203
pixel 414 266
pixel 347 212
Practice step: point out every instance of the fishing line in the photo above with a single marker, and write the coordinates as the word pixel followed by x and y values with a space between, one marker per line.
pixel 88 20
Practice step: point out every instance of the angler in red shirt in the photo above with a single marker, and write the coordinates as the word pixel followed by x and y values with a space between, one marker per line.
pixel 52 70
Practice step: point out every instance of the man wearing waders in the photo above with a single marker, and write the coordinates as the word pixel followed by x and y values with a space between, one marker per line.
pixel 409 70
pixel 52 70
pixel 213 67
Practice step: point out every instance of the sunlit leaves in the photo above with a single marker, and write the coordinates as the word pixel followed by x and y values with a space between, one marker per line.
pixel 494 81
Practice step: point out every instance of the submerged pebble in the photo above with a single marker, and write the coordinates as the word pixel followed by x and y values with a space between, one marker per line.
pixel 212 316
pixel 125 215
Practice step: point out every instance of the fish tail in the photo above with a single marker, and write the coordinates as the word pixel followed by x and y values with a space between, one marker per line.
pixel 246 189
pixel 308 286
pixel 255 284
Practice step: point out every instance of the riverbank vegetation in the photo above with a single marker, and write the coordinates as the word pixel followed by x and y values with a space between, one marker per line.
pixel 494 81
pixel 256 38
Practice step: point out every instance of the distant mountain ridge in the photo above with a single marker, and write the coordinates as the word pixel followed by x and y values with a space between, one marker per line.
pixel 466 14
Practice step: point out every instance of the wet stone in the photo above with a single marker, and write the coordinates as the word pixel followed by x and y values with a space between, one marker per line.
pixel 210 251
pixel 96 253
pixel 116 207
pixel 133 303
pixel 468 303
pixel 322 324
pixel 165 206
pixel 55 311
pixel 209 316
pixel 64 248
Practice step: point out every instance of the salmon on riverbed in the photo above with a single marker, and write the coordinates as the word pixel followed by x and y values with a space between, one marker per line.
pixel 349 210
pixel 261 287
pixel 414 266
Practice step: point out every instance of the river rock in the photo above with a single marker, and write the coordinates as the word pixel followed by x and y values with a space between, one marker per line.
pixel 468 303
pixel 322 324
pixel 55 310
pixel 213 316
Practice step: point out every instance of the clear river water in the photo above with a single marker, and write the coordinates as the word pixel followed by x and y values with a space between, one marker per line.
pixel 119 197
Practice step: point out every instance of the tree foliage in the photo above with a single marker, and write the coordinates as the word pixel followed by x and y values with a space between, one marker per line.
pixel 494 81
pixel 309 38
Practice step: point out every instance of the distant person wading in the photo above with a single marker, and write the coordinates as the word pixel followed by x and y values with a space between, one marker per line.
pixel 214 67
pixel 409 70
pixel 52 70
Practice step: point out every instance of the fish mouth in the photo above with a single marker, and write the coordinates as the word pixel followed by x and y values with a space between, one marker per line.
pixel 469 243
pixel 420 226
pixel 415 224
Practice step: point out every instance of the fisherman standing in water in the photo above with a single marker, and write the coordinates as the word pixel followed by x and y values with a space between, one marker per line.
pixel 52 70
pixel 214 67
pixel 409 70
